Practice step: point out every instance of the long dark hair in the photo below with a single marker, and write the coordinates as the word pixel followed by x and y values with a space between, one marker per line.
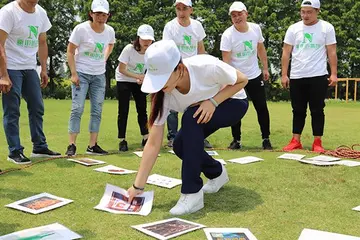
pixel 136 44
pixel 157 103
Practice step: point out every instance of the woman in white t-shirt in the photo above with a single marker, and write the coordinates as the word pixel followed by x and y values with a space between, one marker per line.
pixel 193 86
pixel 129 77
pixel 241 45
pixel 90 45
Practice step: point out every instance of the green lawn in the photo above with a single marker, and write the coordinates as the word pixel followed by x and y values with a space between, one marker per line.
pixel 276 199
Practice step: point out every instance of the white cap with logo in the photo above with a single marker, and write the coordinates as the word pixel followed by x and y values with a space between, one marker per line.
pixel 100 6
pixel 238 7
pixel 146 32
pixel 185 2
pixel 161 58
pixel 311 3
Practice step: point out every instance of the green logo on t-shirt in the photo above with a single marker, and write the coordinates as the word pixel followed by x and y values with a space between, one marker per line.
pixel 248 50
pixel 139 68
pixel 97 54
pixel 307 42
pixel 32 41
pixel 187 45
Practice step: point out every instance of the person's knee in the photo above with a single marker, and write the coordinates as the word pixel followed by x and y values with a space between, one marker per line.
pixel 77 109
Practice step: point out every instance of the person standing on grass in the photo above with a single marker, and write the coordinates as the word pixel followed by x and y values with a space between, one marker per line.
pixel 129 77
pixel 241 45
pixel 90 45
pixel 310 42
pixel 194 86
pixel 23 27
pixel 188 35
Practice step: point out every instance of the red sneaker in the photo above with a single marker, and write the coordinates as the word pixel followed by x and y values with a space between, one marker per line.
pixel 317 146
pixel 294 144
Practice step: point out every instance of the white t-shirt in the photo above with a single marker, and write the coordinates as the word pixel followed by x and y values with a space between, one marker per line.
pixel 243 48
pixel 207 76
pixel 134 63
pixel 309 48
pixel 90 54
pixel 23 31
pixel 186 38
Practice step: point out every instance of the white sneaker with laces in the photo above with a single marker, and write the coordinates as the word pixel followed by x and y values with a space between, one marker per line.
pixel 188 203
pixel 214 185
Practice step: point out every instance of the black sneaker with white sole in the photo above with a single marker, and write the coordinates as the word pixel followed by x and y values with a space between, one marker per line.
pixel 235 144
pixel 96 149
pixel 18 157
pixel 46 152
pixel 71 150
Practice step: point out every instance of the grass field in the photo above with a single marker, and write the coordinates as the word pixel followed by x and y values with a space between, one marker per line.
pixel 275 198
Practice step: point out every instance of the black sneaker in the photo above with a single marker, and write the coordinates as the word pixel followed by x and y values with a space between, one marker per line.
pixel 71 150
pixel 18 157
pixel 143 142
pixel 235 144
pixel 96 149
pixel 46 152
pixel 266 144
pixel 123 147
pixel 207 144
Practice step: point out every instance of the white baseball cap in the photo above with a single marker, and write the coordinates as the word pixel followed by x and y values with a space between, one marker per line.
pixel 311 3
pixel 238 7
pixel 161 58
pixel 185 2
pixel 100 6
pixel 146 32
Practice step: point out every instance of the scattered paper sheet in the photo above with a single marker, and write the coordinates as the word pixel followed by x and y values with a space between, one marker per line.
pixel 115 200
pixel 310 234
pixel 212 153
pixel 324 158
pixel 246 160
pixel 222 161
pixel 86 161
pixel 140 153
pixel 229 233
pixel 54 231
pixel 356 208
pixel 318 163
pixel 168 228
pixel 348 163
pixel 114 170
pixel 39 203
pixel 163 181
pixel 291 156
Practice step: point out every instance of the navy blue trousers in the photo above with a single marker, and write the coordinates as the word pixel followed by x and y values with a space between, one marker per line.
pixel 189 142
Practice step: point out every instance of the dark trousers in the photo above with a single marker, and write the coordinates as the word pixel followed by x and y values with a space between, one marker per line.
pixel 313 91
pixel 189 142
pixel 255 89
pixel 124 90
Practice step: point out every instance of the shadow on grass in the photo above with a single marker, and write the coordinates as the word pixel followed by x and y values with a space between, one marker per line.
pixel 15 194
pixel 86 234
pixel 8 228
pixel 230 199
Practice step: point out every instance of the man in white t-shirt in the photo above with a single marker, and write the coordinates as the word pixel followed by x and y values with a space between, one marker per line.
pixel 23 27
pixel 241 45
pixel 310 42
pixel 188 34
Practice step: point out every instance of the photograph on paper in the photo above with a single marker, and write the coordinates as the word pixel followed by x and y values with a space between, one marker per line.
pixel 229 234
pixel 86 161
pixel 114 170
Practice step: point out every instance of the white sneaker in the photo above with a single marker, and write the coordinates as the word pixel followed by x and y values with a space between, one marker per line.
pixel 188 203
pixel 214 185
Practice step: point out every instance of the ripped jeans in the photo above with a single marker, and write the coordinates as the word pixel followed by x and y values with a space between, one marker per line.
pixel 95 84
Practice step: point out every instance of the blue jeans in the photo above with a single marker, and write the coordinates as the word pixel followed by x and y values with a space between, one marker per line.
pixel 189 142
pixel 26 83
pixel 172 124
pixel 95 84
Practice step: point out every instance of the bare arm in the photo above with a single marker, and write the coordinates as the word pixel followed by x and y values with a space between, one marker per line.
pixel 70 53
pixel 264 60
pixel 226 56
pixel 5 82
pixel 123 70
pixel 331 52
pixel 3 68
pixel 150 154
pixel 287 49
pixel 43 56
pixel 201 48
pixel 108 51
